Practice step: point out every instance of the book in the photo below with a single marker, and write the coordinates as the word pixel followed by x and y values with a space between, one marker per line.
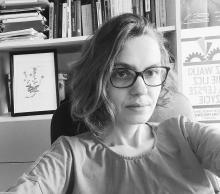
pixel 51 20
pixel 153 12
pixel 24 19
pixel 38 36
pixel 15 4
pixel 68 18
pixel 57 27
pixel 56 20
pixel 64 20
pixel 73 19
pixel 157 12
pixel 163 17
pixel 21 35
pixel 147 6
pixel 60 18
pixel 78 14
pixel 141 8
pixel 87 19
pixel 135 7
pixel 99 12
pixel 107 9
pixel 24 32
pixel 19 15
pixel 38 25
pixel 94 16
pixel 20 10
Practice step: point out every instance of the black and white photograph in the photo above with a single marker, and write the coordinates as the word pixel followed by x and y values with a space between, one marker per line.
pixel 110 96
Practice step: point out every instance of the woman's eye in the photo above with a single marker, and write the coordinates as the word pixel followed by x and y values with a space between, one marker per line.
pixel 122 73
pixel 151 72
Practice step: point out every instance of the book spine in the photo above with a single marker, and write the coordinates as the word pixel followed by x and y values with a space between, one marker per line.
pixel 19 15
pixel 141 7
pixel 134 7
pixel 60 16
pixel 24 19
pixel 73 19
pixel 99 13
pixel 153 12
pixel 157 10
pixel 163 13
pixel 87 19
pixel 107 9
pixel 64 20
pixel 51 20
pixel 94 16
pixel 147 5
pixel 56 19
pixel 68 16
pixel 103 11
pixel 78 14
pixel 37 25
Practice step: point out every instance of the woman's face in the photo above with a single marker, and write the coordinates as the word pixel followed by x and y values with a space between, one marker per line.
pixel 135 104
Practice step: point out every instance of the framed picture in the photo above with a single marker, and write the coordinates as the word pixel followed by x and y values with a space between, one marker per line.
pixel 34 82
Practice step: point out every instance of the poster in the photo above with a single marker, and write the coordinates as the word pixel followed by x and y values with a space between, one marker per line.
pixel 201 71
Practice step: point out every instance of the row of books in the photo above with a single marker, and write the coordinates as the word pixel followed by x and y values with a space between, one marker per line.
pixel 67 18
pixel 23 20
pixel 83 17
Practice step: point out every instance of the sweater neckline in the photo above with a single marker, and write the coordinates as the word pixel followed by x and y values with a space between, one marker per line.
pixel 138 157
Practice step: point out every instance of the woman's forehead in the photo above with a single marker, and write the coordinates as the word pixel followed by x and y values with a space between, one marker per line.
pixel 141 51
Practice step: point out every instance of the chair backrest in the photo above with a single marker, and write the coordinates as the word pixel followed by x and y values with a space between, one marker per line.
pixel 63 124
pixel 178 104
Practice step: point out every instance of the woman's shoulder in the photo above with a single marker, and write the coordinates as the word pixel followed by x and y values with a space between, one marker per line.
pixel 178 126
pixel 77 140
pixel 78 144
pixel 171 125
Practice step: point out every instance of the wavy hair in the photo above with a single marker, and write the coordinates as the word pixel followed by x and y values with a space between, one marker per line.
pixel 91 74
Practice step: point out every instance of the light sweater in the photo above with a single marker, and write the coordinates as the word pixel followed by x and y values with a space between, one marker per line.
pixel 84 165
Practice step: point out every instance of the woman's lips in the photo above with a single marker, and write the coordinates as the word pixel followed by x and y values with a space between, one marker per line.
pixel 137 107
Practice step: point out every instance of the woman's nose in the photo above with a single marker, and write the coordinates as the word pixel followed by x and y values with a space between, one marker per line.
pixel 139 87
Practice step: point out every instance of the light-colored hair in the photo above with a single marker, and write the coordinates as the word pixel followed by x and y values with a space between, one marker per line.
pixel 91 74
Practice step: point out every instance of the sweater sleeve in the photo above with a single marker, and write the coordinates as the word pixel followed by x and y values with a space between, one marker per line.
pixel 49 174
pixel 205 142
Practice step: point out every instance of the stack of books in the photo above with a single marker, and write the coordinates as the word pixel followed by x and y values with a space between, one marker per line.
pixel 22 18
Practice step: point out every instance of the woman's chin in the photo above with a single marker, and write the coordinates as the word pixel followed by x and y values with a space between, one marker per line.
pixel 138 119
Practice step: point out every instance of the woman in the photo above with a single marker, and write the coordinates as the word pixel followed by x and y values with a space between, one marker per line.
pixel 115 88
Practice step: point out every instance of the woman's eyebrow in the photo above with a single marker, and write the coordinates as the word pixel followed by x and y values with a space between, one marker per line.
pixel 128 66
pixel 124 65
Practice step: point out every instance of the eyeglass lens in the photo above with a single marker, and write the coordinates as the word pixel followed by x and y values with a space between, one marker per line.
pixel 124 77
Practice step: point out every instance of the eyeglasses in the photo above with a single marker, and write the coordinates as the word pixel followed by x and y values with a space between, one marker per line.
pixel 152 76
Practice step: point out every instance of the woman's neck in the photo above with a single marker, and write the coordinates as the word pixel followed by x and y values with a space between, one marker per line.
pixel 129 135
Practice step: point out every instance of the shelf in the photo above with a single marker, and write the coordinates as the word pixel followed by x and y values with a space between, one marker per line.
pixel 8 118
pixel 58 42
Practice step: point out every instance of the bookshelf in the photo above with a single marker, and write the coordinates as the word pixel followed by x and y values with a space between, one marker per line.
pixel 73 44
pixel 47 43
pixel 37 128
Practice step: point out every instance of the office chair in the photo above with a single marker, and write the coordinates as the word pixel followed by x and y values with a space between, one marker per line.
pixel 178 104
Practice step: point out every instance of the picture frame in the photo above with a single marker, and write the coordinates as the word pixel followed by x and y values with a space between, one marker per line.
pixel 34 82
